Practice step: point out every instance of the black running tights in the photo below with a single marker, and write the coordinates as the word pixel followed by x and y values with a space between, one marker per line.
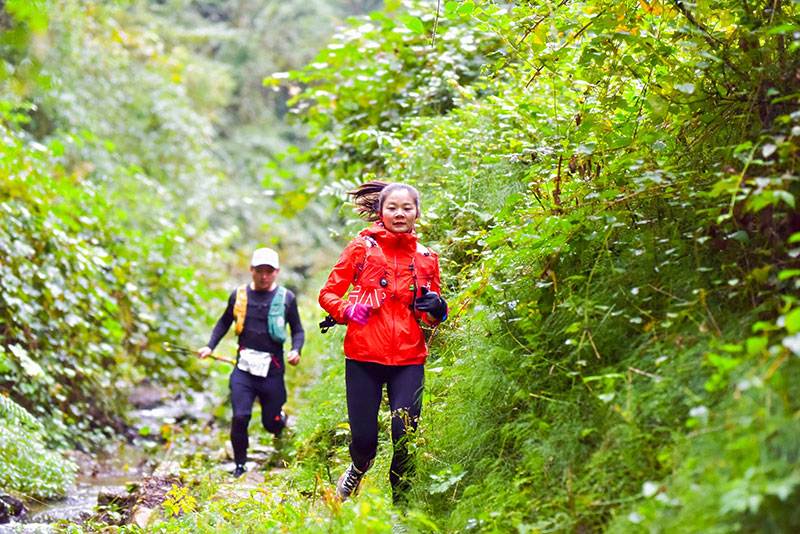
pixel 245 387
pixel 364 381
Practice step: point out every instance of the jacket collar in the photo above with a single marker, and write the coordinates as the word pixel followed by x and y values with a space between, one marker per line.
pixel 379 232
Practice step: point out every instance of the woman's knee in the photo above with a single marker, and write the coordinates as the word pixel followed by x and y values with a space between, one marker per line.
pixel 364 446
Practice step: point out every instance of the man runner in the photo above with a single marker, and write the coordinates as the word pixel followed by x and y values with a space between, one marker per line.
pixel 261 309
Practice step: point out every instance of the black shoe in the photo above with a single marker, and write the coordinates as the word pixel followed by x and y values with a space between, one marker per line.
pixel 350 482
pixel 239 471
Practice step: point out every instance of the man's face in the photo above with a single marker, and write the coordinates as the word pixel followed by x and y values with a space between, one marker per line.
pixel 264 277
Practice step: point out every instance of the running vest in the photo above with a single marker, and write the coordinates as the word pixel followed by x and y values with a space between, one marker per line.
pixel 370 280
pixel 276 321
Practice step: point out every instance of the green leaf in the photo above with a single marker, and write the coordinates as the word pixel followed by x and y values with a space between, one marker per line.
pixel 30 367
pixel 740 236
pixel 783 28
pixel 574 327
pixel 792 321
pixel 785 196
pixel 687 88
pixel 57 148
pixel 723 363
pixel 413 23
pixel 756 345
pixel 466 8
pixel 788 273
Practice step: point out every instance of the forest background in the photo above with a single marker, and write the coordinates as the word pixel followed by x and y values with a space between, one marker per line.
pixel 612 188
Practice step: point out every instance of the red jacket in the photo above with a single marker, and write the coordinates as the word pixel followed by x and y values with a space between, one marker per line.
pixel 386 271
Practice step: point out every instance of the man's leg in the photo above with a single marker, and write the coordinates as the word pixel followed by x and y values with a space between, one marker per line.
pixel 242 396
pixel 272 395
pixel 404 387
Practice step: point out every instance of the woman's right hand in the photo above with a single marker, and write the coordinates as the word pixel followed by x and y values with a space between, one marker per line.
pixel 204 352
pixel 358 313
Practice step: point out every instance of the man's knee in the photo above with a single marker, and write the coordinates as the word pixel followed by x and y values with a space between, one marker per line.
pixel 274 424
pixel 240 421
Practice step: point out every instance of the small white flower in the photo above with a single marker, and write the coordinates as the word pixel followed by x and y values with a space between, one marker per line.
pixel 649 489
pixel 700 413
pixel 792 343
pixel 635 517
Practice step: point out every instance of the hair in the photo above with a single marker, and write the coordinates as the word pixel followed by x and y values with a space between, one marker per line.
pixel 369 197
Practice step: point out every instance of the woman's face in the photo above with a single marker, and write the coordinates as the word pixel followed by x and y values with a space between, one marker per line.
pixel 399 211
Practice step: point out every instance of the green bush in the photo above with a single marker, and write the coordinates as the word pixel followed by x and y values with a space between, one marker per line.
pixel 27 466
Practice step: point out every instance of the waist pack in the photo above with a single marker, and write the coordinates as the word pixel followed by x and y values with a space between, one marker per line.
pixel 254 362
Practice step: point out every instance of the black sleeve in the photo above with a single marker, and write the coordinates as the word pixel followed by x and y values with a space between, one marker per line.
pixel 293 318
pixel 223 323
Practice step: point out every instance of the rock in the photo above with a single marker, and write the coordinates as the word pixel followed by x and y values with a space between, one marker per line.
pixel 188 406
pixel 136 503
pixel 263 454
pixel 153 489
pixel 141 516
pixel 11 508
pixel 169 469
pixel 120 496
pixel 146 396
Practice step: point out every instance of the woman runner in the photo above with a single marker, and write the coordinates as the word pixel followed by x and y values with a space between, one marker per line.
pixel 395 285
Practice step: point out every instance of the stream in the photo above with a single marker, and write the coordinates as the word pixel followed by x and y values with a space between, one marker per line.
pixel 112 471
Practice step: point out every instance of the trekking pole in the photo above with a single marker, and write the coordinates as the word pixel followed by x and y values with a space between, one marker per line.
pixel 171 347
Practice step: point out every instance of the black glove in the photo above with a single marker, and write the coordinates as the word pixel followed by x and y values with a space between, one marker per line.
pixel 431 303
pixel 327 324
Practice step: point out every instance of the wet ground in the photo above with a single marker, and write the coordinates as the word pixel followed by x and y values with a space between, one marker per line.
pixel 112 472
pixel 121 465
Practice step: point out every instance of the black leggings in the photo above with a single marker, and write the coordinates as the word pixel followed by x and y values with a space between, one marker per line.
pixel 365 382
pixel 245 387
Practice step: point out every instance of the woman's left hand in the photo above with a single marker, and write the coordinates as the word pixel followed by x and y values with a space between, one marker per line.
pixel 293 357
pixel 431 303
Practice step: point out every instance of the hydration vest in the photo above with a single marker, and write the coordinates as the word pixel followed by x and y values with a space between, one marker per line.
pixel 370 279
pixel 276 321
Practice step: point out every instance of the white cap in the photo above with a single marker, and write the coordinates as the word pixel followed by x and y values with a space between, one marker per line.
pixel 265 256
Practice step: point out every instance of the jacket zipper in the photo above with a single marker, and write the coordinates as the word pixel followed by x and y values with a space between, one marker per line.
pixel 394 329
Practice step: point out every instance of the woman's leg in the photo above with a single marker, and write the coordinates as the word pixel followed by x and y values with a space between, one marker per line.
pixel 404 386
pixel 364 383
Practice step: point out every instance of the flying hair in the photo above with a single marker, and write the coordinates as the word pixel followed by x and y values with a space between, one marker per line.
pixel 369 197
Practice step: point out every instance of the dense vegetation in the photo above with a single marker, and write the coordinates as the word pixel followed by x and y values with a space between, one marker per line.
pixel 612 187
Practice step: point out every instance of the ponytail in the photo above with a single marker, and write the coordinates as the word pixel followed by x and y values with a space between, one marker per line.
pixel 369 197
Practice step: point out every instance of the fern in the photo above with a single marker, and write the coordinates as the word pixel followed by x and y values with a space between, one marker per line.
pixel 17 413
pixel 26 465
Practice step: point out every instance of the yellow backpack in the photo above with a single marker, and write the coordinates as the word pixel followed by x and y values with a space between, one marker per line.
pixel 276 321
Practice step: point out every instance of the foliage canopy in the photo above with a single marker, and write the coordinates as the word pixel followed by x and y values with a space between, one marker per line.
pixel 612 188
